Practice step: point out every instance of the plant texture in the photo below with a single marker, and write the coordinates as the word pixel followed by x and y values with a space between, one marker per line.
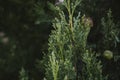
pixel 93 67
pixel 68 58
pixel 110 31
pixel 23 74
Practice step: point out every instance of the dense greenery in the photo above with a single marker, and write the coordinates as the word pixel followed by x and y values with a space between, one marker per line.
pixel 25 26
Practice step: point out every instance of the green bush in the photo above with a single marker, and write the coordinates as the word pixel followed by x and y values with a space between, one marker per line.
pixel 67 46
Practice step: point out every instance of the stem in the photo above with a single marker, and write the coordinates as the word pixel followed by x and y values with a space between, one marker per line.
pixel 70 12
pixel 70 17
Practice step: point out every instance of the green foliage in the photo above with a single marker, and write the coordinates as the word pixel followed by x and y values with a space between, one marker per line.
pixel 61 47
pixel 110 43
pixel 67 44
pixel 93 67
pixel 23 74
pixel 24 29
pixel 110 31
